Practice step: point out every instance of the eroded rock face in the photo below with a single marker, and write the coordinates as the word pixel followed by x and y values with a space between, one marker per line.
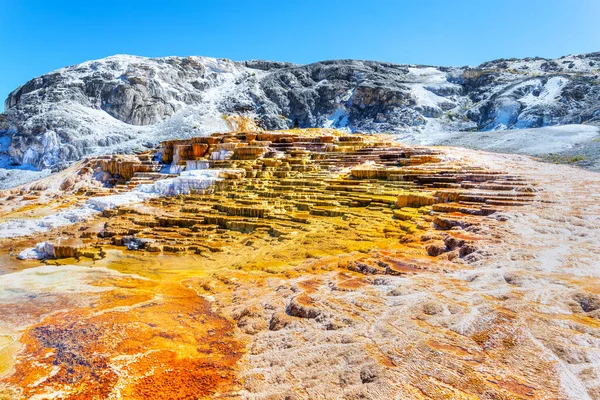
pixel 122 102
pixel 395 271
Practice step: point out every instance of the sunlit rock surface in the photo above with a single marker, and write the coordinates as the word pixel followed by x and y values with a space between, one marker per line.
pixel 302 264
pixel 124 102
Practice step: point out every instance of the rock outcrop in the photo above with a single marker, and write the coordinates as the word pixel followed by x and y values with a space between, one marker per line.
pixel 123 102
pixel 291 184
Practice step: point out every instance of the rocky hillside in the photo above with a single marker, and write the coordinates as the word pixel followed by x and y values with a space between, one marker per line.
pixel 121 103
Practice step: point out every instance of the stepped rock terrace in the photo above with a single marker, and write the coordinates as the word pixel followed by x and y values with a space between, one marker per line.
pixel 255 264
pixel 288 186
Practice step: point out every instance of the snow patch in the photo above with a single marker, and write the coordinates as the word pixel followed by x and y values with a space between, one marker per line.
pixel 187 182
pixel 22 227
pixel 39 252
pixel 15 175
pixel 532 141
pixel 426 75
pixel 339 119
pixel 548 93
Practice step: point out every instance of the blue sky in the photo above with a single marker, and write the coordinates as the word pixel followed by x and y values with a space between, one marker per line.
pixel 39 36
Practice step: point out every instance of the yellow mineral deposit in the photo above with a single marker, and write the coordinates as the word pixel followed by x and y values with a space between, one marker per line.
pixel 319 265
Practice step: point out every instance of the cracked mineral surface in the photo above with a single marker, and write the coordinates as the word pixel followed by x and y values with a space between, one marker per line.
pixel 301 264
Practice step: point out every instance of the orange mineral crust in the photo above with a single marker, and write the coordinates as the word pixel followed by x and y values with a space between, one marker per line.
pixel 145 341
pixel 316 265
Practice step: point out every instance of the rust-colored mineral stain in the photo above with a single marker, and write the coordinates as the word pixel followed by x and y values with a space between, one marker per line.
pixel 349 282
pixel 310 285
pixel 448 348
pixel 171 346
pixel 518 388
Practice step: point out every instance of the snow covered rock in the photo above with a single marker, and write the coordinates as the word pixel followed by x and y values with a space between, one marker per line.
pixel 41 251
pixel 122 103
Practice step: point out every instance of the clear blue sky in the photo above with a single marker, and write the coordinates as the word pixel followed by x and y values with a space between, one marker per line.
pixel 37 36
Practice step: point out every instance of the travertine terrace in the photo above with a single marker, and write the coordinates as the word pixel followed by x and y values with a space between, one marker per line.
pixel 303 264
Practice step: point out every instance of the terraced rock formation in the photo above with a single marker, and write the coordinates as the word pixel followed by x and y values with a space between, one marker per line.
pixel 302 264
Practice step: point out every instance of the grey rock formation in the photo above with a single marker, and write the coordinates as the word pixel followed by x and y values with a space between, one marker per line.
pixel 124 102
